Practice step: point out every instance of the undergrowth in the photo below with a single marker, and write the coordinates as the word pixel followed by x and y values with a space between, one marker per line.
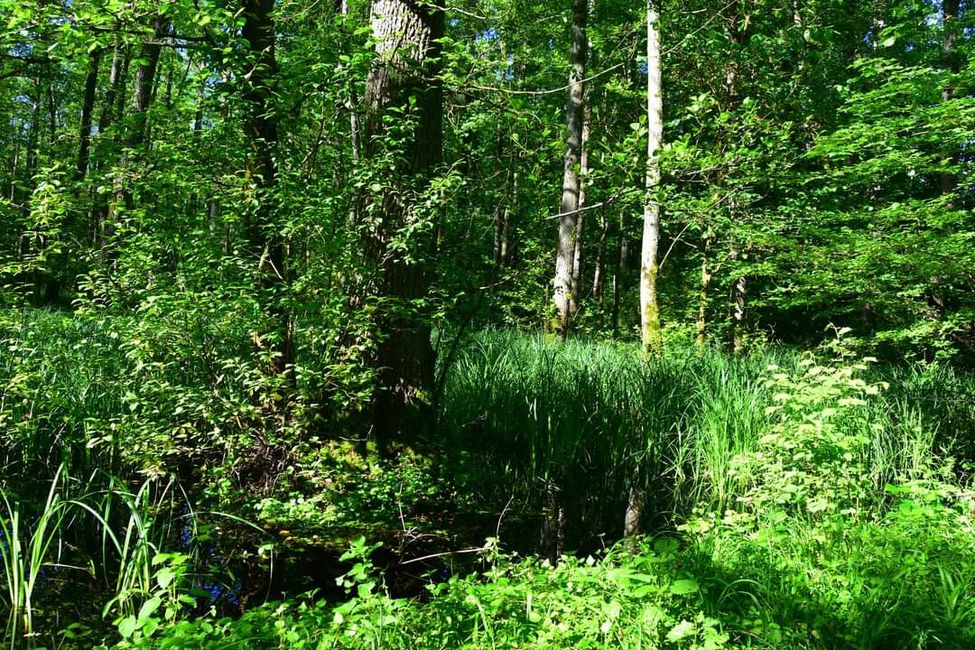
pixel 793 500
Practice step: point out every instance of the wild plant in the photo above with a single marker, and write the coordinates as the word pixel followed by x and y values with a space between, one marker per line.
pixel 25 551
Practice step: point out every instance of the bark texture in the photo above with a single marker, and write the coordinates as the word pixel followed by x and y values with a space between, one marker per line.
pixel 145 79
pixel 575 296
pixel 405 76
pixel 261 129
pixel 649 262
pixel 87 109
pixel 571 177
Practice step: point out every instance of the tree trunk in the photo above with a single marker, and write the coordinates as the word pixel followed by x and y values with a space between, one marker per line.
pixel 87 108
pixel 951 13
pixel 622 259
pixel 145 76
pixel 405 77
pixel 739 296
pixel 571 179
pixel 33 137
pixel 261 130
pixel 649 264
pixel 107 116
pixel 577 259
pixel 135 132
pixel 599 267
pixel 702 304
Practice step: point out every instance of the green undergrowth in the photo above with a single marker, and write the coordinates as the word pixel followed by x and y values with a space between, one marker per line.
pixel 837 532
pixel 791 499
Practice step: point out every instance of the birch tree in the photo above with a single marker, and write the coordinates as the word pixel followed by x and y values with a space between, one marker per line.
pixel 649 262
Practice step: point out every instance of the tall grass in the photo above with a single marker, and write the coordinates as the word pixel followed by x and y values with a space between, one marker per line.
pixel 526 416
pixel 26 547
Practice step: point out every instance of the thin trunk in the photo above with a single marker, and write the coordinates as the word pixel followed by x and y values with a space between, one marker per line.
pixel 501 210
pixel 739 293
pixel 123 85
pixel 169 87
pixel 622 259
pixel 702 305
pixel 32 139
pixel 193 202
pixel 52 113
pixel 355 130
pixel 99 214
pixel 510 215
pixel 200 104
pixel 577 258
pixel 952 63
pixel 599 270
pixel 107 116
pixel 569 208
pixel 649 264
pixel 405 77
pixel 87 108
pixel 135 133
pixel 13 171
pixel 649 307
pixel 355 127
pixel 739 296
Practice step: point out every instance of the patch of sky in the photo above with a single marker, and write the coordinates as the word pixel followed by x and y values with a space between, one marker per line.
pixel 487 36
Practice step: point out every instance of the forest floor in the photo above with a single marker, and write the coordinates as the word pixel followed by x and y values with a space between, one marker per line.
pixel 789 500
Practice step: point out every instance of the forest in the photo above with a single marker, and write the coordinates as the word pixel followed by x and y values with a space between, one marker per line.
pixel 348 324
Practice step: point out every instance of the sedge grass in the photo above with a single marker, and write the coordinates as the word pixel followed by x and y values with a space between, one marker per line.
pixel 26 546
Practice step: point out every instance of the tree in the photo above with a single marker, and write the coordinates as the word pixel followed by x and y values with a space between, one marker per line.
pixel 568 241
pixel 87 110
pixel 649 264
pixel 404 140
pixel 263 234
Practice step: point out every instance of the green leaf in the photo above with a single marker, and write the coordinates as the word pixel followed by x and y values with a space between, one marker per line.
pixel 686 586
pixel 149 608
pixel 165 577
pixel 126 626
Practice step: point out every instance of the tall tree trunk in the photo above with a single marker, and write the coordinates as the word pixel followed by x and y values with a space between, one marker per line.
pixel 33 137
pixel 577 258
pixel 622 262
pixel 107 116
pixel 135 133
pixel 951 13
pixel 738 300
pixel 649 264
pixel 87 109
pixel 261 129
pixel 405 76
pixel 649 307
pixel 599 267
pixel 569 208
pixel 52 111
pixel 739 293
pixel 145 78
pixel 14 166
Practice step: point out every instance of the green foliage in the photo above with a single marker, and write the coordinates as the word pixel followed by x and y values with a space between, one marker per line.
pixel 619 600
